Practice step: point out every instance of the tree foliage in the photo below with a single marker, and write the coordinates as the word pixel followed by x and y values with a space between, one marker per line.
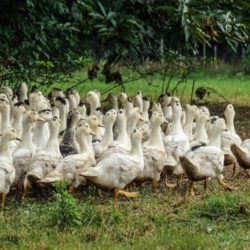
pixel 38 36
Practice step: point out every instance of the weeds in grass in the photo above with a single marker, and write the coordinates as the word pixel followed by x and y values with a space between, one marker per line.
pixel 64 211
pixel 230 207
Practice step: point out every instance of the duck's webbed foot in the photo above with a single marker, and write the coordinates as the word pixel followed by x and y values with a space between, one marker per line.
pixel 226 186
pixel 118 192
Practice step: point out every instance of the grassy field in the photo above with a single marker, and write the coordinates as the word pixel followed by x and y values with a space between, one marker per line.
pixel 165 219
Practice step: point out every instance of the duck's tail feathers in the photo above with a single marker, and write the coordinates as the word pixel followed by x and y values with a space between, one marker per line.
pixel 188 166
pixel 51 178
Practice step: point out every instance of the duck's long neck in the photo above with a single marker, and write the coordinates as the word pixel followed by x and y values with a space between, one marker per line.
pixel 176 124
pixel 94 105
pixel 140 105
pixel 145 113
pixel 5 147
pixel 128 107
pixel 200 132
pixel 40 130
pixel 131 125
pixel 52 145
pixel 167 111
pixel 18 123
pixel 115 104
pixel 136 149
pixel 155 138
pixel 108 135
pixel 23 95
pixel 63 117
pixel 27 136
pixel 215 139
pixel 122 137
pixel 85 144
pixel 189 125
pixel 230 124
pixel 5 118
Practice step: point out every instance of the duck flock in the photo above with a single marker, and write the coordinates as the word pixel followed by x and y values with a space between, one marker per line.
pixel 65 138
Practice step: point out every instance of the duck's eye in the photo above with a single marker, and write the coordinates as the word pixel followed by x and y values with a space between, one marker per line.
pixel 135 131
pixel 120 112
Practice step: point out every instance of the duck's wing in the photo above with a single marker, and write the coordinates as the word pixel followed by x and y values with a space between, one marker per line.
pixel 154 157
pixel 208 158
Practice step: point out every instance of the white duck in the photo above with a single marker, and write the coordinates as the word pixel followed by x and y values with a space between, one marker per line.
pixel 94 124
pixel 191 112
pixel 109 121
pixel 229 137
pixel 165 101
pixel 61 104
pixel 41 131
pixel 93 99
pixel 72 165
pixel 200 134
pixel 113 100
pixel 118 170
pixel 82 109
pixel 23 92
pixel 25 149
pixel 18 113
pixel 7 170
pixel 176 143
pixel 133 117
pixel 138 102
pixel 146 106
pixel 71 99
pixel 122 99
pixel 122 144
pixel 154 152
pixel 7 91
pixel 45 161
pixel 207 161
pixel 5 113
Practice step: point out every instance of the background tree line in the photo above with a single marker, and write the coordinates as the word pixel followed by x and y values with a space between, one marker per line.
pixel 38 36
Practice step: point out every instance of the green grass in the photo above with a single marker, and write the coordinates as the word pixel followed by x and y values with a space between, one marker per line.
pixel 162 220
pixel 233 86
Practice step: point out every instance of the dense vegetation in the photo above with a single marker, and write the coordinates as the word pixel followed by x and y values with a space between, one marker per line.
pixel 40 37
